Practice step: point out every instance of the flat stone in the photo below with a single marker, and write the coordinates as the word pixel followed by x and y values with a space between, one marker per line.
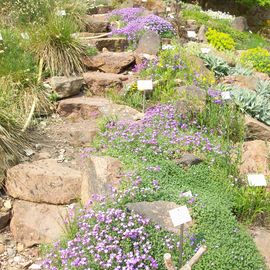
pixel 157 212
pixel 100 176
pixel 99 83
pixel 241 81
pixel 188 159
pixel 256 130
pixel 34 223
pixel 110 62
pixel 44 181
pixel 255 157
pixel 66 86
pixel 95 107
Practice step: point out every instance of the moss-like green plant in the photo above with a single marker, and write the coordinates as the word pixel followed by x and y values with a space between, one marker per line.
pixel 258 58
pixel 219 40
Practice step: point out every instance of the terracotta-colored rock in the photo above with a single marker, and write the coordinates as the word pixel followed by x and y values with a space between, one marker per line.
pixel 100 175
pixel 44 181
pixel 241 81
pixel 34 223
pixel 110 62
pixel 255 157
pixel 256 129
pixel 99 83
pixel 97 23
pixel 94 107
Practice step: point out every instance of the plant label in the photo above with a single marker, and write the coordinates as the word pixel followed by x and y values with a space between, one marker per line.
pixel 25 35
pixel 187 194
pixel 144 85
pixel 61 12
pixel 1 37
pixel 168 9
pixel 205 50
pixel 226 95
pixel 256 180
pixel 144 1
pixel 191 34
pixel 180 215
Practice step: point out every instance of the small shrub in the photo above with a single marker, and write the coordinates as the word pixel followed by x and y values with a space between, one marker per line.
pixel 252 205
pixel 219 40
pixel 258 58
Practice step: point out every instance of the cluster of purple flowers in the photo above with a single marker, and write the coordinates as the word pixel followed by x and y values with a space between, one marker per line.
pixel 126 14
pixel 134 23
pixel 162 130
pixel 215 96
pixel 110 239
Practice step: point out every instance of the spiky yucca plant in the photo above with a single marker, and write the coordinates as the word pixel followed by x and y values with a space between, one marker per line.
pixel 59 50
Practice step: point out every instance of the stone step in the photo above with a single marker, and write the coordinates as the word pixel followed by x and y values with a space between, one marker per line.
pixel 44 181
pixel 93 107
pixel 99 83
pixel 110 62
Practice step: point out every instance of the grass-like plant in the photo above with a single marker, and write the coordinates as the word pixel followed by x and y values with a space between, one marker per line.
pixel 56 47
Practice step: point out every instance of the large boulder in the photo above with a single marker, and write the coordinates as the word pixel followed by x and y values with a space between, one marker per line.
pixel 255 157
pixel 149 43
pixel 99 83
pixel 34 223
pixel 94 107
pixel 97 23
pixel 44 181
pixel 256 130
pixel 100 176
pixel 157 212
pixel 66 86
pixel 240 24
pixel 110 62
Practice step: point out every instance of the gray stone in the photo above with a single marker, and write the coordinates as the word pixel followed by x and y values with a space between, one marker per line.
pixel 66 86
pixel 157 212
pixel 149 43
pixel 240 24
pixel 201 34
pixel 188 159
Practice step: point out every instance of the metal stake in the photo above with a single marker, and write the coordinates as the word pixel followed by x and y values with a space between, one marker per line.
pixel 144 98
pixel 181 246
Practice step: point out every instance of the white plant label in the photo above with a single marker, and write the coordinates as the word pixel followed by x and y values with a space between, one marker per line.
pixel 168 9
pixel 180 215
pixel 144 1
pixel 1 37
pixel 205 50
pixel 191 34
pixel 226 95
pixel 25 35
pixel 256 180
pixel 61 12
pixel 187 194
pixel 144 85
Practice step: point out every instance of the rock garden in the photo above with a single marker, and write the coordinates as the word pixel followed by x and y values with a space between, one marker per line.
pixel 115 114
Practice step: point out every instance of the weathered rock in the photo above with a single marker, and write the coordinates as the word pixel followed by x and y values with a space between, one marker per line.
pixel 157 212
pixel 4 219
pixel 99 83
pixel 188 159
pixel 240 24
pixel 94 107
pixel 97 23
pixel 255 157
pixel 241 81
pixel 201 34
pixel 66 86
pixel 101 174
pixel 110 62
pixel 113 44
pixel 192 25
pixel 192 91
pixel 262 76
pixel 149 43
pixel 44 181
pixel 256 130
pixel 34 223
